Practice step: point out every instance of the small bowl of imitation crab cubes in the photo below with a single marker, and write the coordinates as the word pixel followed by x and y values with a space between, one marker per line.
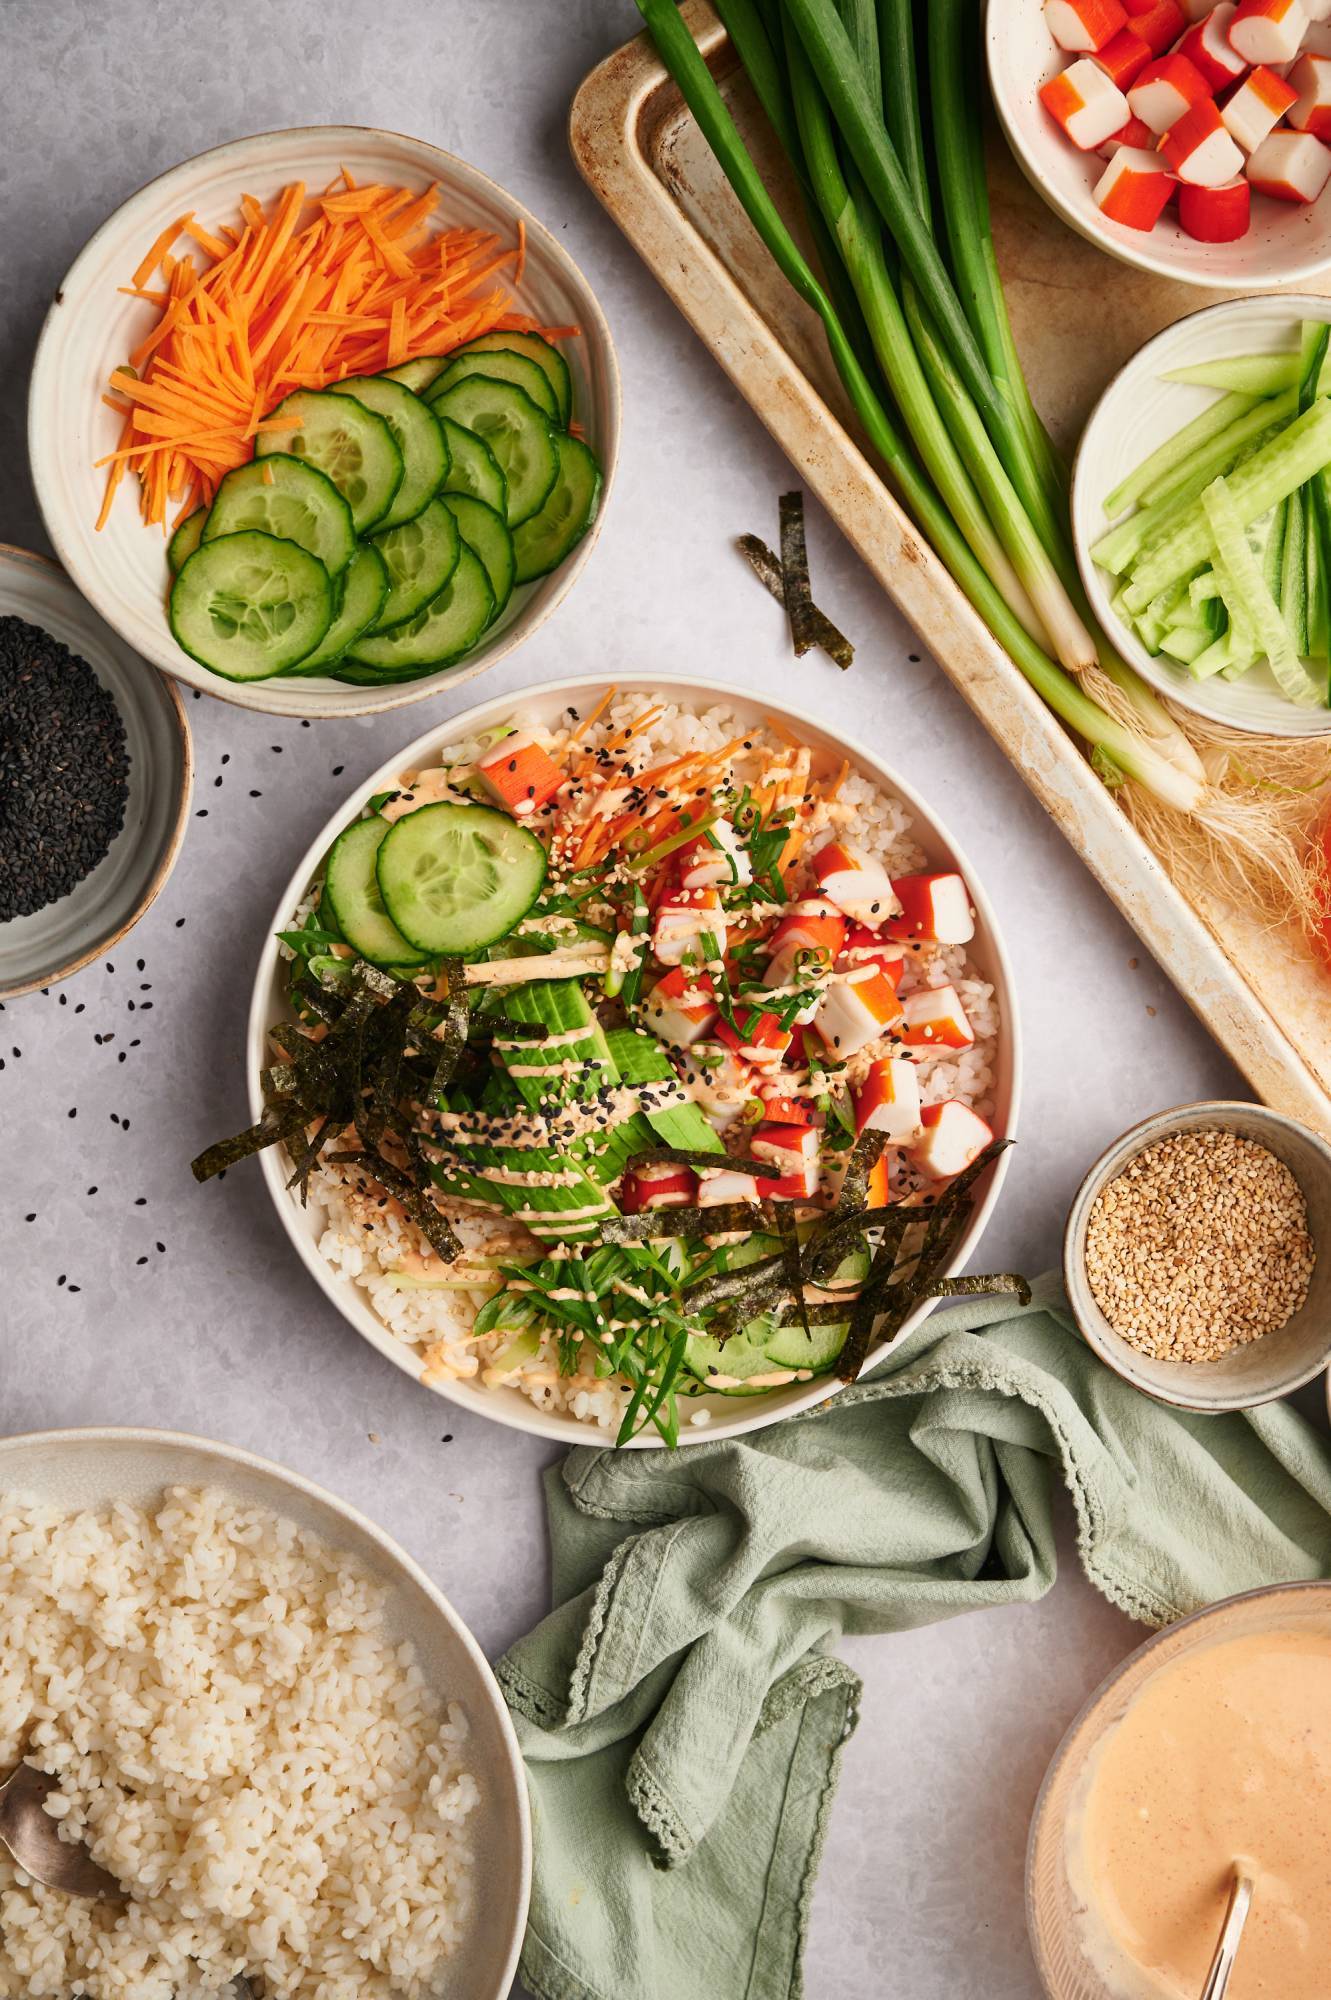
pixel 1191 138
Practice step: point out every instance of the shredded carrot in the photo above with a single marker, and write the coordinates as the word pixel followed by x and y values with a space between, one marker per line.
pixel 304 293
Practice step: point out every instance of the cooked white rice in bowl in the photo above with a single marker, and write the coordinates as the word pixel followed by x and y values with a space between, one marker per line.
pixel 367 1253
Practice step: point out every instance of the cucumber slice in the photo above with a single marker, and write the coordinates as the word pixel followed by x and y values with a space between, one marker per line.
pixel 284 496
pixel 185 540
pixel 249 605
pixel 421 555
pixel 455 879
pixel 359 595
pixel 486 535
pixel 416 434
pixel 542 543
pixel 417 375
pixel 351 889
pixel 519 435
pixel 500 364
pixel 353 446
pixel 356 675
pixel 472 467
pixel 735 1360
pixel 447 626
pixel 790 1347
pixel 547 357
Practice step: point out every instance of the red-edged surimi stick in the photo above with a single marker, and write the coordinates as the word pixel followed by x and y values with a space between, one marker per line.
pixel 715 859
pixel 888 1101
pixel 878 1191
pixel 681 1007
pixel 1268 31
pixel 1310 79
pixel 856 1011
pixel 657 1185
pixel 865 947
pixel 1166 91
pixel 761 1040
pixel 778 1109
pixel 1134 189
pixel 1124 59
pixel 715 1190
pixel 1085 103
pixel 1291 166
pixel 1207 47
pixel 1200 150
pixel 1158 22
pixel 954 1137
pixel 719 1081
pixel 811 925
pixel 1082 26
pixel 934 1018
pixel 855 881
pixel 683 921
pixel 935 909
pixel 1257 106
pixel 1215 215
pixel 1134 133
pixel 794 1149
pixel 519 775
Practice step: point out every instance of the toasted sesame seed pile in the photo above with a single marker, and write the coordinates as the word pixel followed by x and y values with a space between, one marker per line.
pixel 1199 1246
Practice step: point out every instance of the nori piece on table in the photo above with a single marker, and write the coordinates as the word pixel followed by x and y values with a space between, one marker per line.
pixel 767 569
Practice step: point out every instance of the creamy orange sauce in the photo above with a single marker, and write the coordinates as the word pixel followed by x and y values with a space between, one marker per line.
pixel 1223 1754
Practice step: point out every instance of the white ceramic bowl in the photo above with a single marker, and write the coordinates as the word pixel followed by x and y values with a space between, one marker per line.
pixel 1138 412
pixel 90 1468
pixel 1287 244
pixel 91 327
pixel 49 945
pixel 730 1417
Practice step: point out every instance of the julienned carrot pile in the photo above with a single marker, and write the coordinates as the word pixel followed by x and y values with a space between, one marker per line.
pixel 348 282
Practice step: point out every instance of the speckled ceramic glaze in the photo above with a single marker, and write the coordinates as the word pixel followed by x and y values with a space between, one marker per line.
pixel 90 1468
pixel 1265 1369
pixel 51 943
pixel 91 327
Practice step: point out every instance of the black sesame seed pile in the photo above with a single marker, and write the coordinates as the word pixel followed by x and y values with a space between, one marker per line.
pixel 64 769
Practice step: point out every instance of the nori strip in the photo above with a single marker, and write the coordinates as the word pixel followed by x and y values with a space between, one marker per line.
pixel 724 1286
pixel 866 1312
pixel 767 569
pixel 268 1132
pixel 722 1220
pixel 686 1156
pixel 457 1023
pixel 997 1282
pixel 433 1226
pixel 808 626
pixel 304 1167
pixel 790 1260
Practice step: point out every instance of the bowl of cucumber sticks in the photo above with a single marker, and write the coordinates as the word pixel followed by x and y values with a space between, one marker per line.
pixel 322 421
pixel 1201 509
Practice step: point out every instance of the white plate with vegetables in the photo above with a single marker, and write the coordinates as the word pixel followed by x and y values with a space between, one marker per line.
pixel 1201 508
pixel 323 418
pixel 635 1022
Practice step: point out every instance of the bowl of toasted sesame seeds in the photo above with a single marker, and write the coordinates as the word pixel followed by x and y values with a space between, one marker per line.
pixel 1197 1256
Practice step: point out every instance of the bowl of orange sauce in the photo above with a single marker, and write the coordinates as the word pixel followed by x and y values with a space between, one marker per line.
pixel 1211 1744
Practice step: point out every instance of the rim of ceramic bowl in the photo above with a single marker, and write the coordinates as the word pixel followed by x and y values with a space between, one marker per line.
pixel 1098 1176
pixel 170 853
pixel 510 1407
pixel 1139 255
pixel 72 1437
pixel 1180 687
pixel 1221 1609
pixel 279 698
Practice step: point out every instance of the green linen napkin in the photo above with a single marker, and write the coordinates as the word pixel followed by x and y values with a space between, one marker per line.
pixel 680 1711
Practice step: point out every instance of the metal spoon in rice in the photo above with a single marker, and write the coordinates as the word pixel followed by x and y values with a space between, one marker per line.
pixel 32 1838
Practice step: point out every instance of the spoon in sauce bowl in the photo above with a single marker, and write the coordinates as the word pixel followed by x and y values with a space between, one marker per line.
pixel 1231 1935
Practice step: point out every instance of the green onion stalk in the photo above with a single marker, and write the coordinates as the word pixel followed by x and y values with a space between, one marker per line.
pixel 1153 759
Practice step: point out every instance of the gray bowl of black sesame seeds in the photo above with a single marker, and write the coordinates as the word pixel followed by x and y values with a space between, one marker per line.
pixel 95 773
pixel 1197 1256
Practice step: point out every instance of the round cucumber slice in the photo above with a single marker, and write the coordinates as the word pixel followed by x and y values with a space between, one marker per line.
pixel 285 497
pixel 472 468
pixel 447 626
pixel 416 434
pixel 791 1347
pixel 351 889
pixel 359 595
pixel 421 555
pixel 519 435
pixel 350 444
pixel 500 364
pixel 544 542
pixel 249 606
pixel 185 540
pixel 455 879
pixel 417 375
pixel 546 356
pixel 356 675
pixel 486 535
pixel 734 1360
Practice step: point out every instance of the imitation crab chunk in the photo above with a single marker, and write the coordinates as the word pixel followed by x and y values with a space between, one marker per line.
pixel 888 1101
pixel 855 882
pixel 715 1190
pixel 684 922
pixel 856 1011
pixel 519 775
pixel 658 1185
pixel 715 860
pixel 935 909
pixel 934 1018
pixel 954 1138
pixel 681 1007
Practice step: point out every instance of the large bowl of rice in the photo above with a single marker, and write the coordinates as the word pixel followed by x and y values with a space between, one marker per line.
pixel 264 1719
pixel 351 1252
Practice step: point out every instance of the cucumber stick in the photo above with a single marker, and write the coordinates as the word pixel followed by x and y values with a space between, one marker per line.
pixel 1158 514
pixel 574 1061
pixel 1169 458
pixel 1252 605
pixel 1249 374
pixel 641 1059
